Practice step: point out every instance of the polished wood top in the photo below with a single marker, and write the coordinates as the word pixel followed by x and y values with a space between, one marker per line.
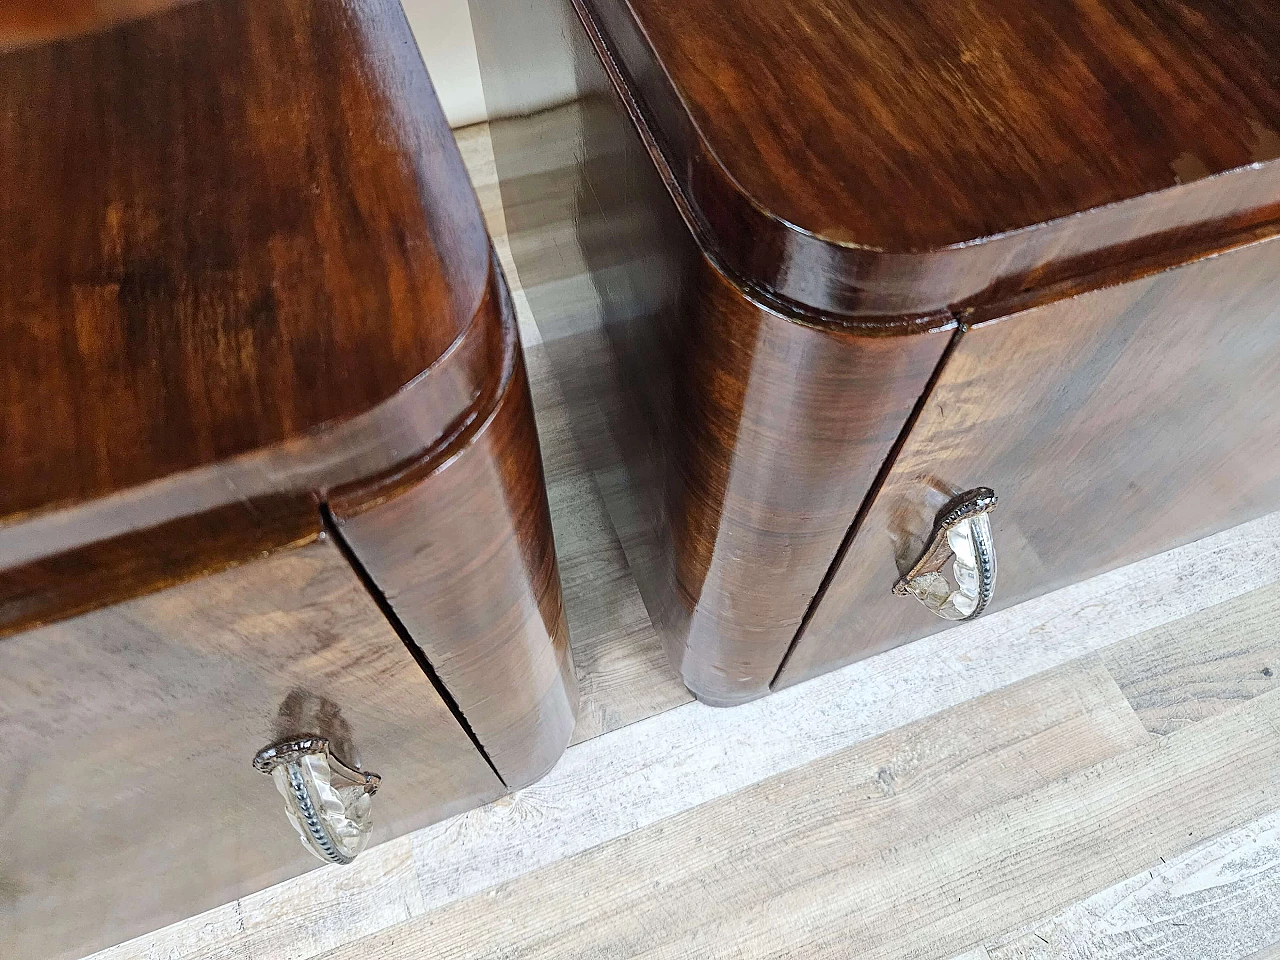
pixel 223 228
pixel 32 21
pixel 844 133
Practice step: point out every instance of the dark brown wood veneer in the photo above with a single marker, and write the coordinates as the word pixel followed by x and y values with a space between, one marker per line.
pixel 871 158
pixel 245 286
pixel 806 221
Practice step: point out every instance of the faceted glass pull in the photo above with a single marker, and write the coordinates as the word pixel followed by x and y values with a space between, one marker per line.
pixel 961 532
pixel 327 802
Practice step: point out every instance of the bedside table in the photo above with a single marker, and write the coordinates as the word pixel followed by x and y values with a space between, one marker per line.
pixel 871 269
pixel 273 501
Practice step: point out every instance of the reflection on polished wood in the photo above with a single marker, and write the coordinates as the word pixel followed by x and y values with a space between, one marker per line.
pixel 129 734
pixel 915 155
pixel 243 280
pixel 223 241
pixel 713 416
pixel 1113 425
pixel 753 465
pixel 461 546
pixel 195 363
pixel 794 217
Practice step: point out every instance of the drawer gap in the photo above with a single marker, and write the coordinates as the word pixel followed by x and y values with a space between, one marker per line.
pixel 415 651
pixel 870 498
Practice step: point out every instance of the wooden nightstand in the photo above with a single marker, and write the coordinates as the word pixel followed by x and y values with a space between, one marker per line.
pixel 271 475
pixel 866 266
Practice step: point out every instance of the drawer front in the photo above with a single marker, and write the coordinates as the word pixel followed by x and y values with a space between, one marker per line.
pixel 128 735
pixel 1111 426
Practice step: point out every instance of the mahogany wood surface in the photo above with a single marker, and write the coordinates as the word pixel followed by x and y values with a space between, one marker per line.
pixel 33 21
pixel 786 207
pixel 753 470
pixel 863 157
pixel 124 541
pixel 732 540
pixel 244 278
pixel 461 547
pixel 225 227
pixel 109 571
pixel 130 799
pixel 1112 425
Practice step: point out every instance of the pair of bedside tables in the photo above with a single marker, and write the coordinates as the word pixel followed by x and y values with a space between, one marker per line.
pixel 918 309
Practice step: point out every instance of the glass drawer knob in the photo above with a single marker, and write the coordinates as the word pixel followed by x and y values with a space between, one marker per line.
pixel 961 532
pixel 327 802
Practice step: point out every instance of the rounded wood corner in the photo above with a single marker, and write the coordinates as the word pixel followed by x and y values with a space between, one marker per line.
pixel 459 545
pixel 282 299
pixel 830 276
pixel 62 562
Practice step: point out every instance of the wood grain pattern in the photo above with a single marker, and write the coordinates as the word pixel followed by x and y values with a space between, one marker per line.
pixel 405 427
pixel 224 228
pixel 751 472
pixel 130 732
pixel 147 296
pixel 669 765
pixel 109 571
pixel 430 869
pixel 713 417
pixel 621 908
pixel 33 21
pixel 1218 901
pixel 634 896
pixel 611 786
pixel 1112 425
pixel 904 157
pixel 952 884
pixel 246 284
pixel 461 547
pixel 756 238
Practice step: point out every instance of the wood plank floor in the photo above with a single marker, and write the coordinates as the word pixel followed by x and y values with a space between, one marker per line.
pixel 1093 774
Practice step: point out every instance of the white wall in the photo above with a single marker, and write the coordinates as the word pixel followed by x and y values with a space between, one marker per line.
pixel 443 31
pixel 542 76
pixel 529 48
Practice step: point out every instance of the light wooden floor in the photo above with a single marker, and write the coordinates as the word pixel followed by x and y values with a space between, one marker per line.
pixel 1093 774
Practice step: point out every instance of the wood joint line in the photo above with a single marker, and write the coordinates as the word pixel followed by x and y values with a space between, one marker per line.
pixel 415 651
pixel 865 507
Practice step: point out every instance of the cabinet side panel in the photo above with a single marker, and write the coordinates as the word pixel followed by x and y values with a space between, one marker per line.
pixel 749 439
pixel 1112 425
pixel 772 438
pixel 128 736
pixel 463 553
